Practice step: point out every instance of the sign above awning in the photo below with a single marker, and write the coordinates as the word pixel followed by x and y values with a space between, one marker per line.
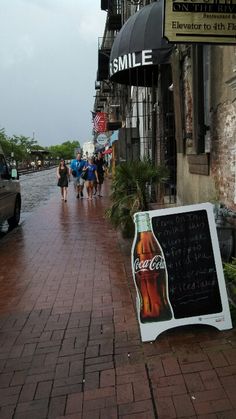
pixel 206 21
pixel 139 48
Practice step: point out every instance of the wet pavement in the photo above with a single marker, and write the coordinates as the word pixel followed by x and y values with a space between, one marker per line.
pixel 36 190
pixel 70 345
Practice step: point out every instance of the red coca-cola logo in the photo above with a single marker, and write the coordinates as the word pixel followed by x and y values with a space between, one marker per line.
pixel 154 264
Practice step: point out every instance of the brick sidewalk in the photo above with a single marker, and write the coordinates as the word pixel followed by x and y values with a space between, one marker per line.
pixel 70 345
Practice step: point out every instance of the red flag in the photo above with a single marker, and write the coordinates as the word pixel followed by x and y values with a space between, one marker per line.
pixel 100 122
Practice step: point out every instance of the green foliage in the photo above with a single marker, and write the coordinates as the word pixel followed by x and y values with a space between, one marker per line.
pixel 230 271
pixel 230 278
pixel 65 150
pixel 21 146
pixel 131 187
pixel 4 142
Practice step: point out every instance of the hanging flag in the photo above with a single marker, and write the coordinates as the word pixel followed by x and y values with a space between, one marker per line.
pixel 100 122
pixel 93 115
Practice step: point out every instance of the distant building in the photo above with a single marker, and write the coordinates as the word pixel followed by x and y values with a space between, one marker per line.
pixel 88 148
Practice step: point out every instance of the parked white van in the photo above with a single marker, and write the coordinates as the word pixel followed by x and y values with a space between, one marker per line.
pixel 10 195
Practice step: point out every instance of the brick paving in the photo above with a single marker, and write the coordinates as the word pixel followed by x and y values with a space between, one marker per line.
pixel 70 345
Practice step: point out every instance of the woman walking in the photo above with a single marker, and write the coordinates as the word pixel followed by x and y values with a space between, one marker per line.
pixel 100 163
pixel 63 176
pixel 92 176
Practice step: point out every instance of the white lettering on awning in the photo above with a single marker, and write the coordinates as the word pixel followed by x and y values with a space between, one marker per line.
pixel 147 57
pixel 134 60
pixel 122 63
pixel 131 60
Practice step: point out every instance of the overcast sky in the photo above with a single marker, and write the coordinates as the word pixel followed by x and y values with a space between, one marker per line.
pixel 48 64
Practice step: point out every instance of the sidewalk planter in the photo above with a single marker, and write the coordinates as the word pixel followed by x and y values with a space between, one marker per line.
pixel 131 184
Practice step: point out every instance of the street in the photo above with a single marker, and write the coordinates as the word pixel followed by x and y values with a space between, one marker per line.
pixel 36 188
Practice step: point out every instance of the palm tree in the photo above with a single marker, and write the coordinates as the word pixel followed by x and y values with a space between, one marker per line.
pixel 131 186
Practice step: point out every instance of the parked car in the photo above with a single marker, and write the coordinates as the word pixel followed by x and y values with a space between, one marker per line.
pixel 10 194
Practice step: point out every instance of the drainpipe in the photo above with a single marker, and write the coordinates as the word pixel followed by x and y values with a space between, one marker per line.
pixel 137 108
pixel 154 119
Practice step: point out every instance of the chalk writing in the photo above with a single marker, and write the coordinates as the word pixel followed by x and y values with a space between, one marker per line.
pixel 186 242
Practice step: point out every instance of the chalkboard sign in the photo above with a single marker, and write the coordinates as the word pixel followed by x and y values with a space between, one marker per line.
pixel 189 252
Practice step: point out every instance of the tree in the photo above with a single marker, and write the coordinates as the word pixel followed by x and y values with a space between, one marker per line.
pixel 22 146
pixel 4 142
pixel 65 150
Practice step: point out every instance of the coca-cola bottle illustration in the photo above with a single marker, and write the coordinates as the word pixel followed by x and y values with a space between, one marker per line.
pixel 150 273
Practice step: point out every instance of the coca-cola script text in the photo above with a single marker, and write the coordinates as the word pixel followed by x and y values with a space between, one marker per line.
pixel 156 263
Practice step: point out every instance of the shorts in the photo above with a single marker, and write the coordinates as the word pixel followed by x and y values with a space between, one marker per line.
pixel 100 178
pixel 78 181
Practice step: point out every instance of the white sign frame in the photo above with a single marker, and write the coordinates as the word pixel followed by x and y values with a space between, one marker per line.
pixel 222 321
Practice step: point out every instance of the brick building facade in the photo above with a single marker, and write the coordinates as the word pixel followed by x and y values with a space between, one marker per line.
pixel 186 119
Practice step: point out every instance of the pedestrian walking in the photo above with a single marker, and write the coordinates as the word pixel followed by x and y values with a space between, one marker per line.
pixel 100 163
pixel 92 176
pixel 76 169
pixel 32 165
pixel 63 178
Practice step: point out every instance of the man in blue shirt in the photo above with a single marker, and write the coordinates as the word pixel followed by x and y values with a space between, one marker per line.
pixel 76 169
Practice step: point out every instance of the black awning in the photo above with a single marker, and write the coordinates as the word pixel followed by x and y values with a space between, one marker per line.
pixel 139 48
